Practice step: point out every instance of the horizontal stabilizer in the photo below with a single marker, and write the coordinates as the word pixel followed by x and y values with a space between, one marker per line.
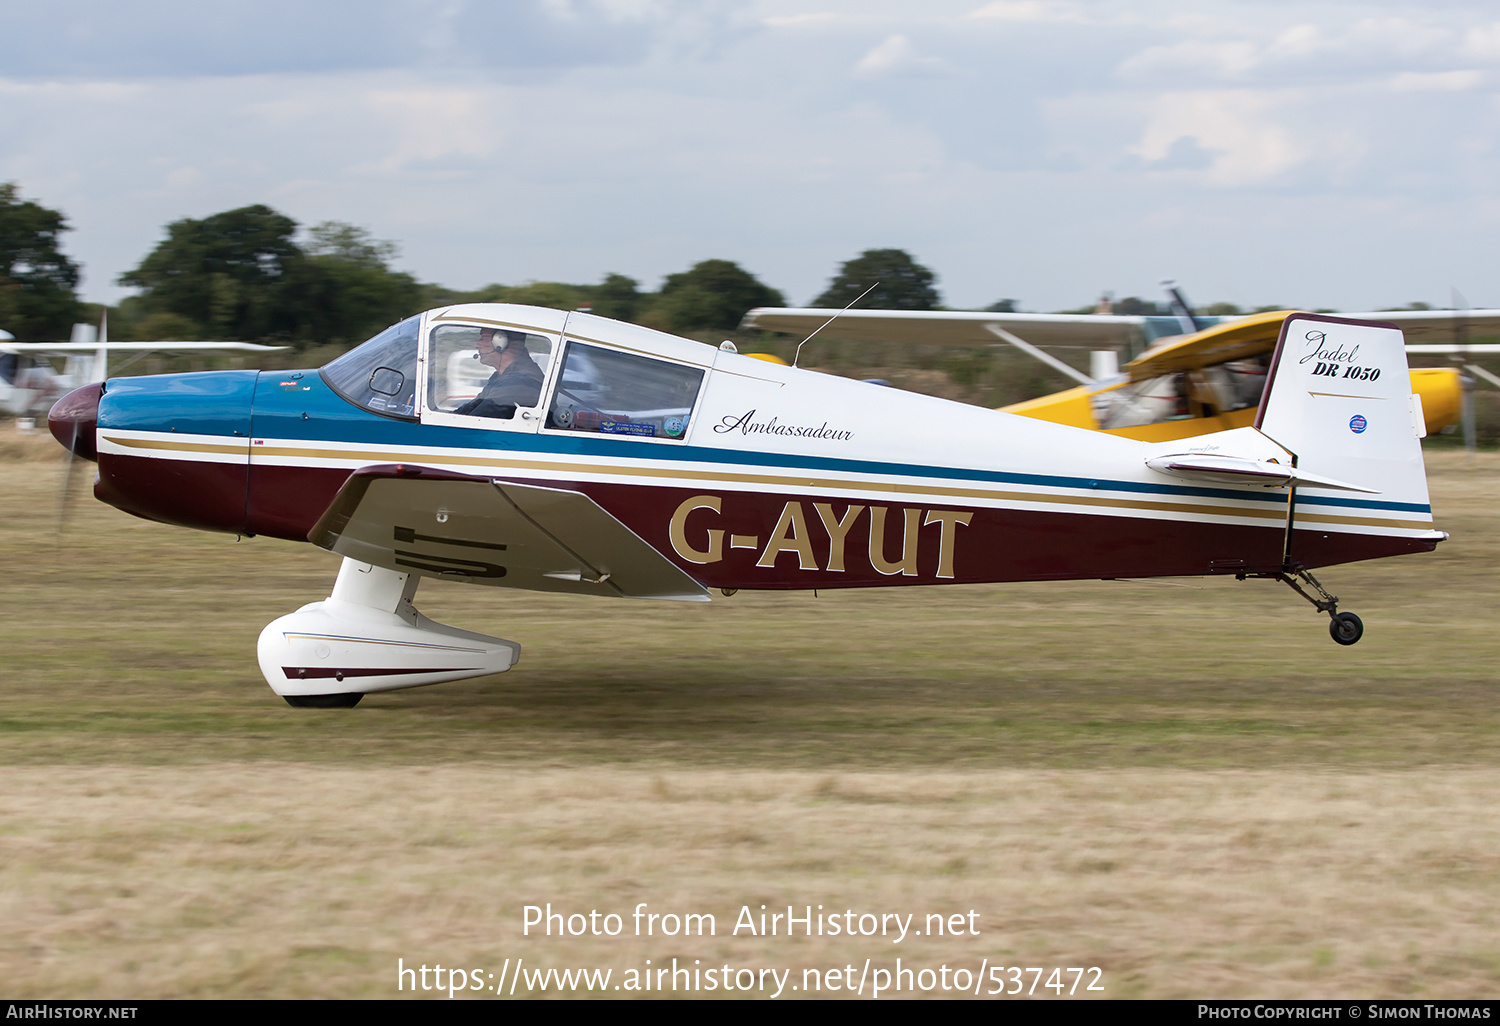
pixel 1239 470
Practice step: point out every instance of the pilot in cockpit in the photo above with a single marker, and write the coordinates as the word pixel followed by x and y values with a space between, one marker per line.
pixel 517 381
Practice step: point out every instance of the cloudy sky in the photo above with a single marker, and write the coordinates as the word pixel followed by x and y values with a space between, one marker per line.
pixel 1312 154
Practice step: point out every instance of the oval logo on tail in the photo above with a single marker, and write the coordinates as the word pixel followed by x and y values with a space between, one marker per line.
pixel 1357 424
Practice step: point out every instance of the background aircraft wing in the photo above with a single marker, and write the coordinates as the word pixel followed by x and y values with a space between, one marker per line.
pixel 480 531
pixel 1433 326
pixel 66 348
pixel 950 327
pixel 960 327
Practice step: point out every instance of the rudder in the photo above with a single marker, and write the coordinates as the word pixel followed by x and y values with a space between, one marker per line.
pixel 1339 399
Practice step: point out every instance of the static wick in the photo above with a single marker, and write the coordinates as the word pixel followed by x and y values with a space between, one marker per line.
pixel 830 320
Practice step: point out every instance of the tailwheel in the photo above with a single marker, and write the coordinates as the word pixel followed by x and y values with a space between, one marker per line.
pixel 1346 628
pixel 347 700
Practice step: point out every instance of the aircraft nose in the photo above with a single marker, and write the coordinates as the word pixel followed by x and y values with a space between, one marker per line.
pixel 74 418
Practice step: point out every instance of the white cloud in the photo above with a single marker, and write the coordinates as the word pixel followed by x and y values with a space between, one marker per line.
pixel 1298 41
pixel 896 56
pixel 1395 36
pixel 1100 141
pixel 433 124
pixel 1227 59
pixel 795 20
pixel 1437 81
pixel 1028 11
pixel 1237 127
pixel 1483 41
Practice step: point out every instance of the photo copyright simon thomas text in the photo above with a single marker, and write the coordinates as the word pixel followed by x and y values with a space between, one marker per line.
pixel 872 977
pixel 1278 1010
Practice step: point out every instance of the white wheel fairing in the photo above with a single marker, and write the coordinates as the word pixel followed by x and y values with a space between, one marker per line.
pixel 368 637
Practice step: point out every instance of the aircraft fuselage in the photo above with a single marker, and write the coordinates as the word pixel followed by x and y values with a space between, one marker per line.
pixel 780 478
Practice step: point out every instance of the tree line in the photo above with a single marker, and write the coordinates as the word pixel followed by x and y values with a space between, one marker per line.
pixel 252 275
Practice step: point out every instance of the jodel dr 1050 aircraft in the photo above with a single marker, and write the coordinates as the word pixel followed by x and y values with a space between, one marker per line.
pixel 521 447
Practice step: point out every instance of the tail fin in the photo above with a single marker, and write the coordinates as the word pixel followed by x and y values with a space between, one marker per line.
pixel 1339 399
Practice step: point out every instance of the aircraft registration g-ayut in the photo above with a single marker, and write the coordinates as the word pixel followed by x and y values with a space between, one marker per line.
pixel 29 384
pixel 520 447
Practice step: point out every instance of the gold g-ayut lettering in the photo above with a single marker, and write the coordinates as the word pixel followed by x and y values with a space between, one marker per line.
pixel 792 537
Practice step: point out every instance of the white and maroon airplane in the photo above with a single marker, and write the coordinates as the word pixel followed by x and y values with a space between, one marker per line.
pixel 520 447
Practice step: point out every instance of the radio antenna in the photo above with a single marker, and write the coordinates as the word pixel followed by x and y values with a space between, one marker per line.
pixel 830 320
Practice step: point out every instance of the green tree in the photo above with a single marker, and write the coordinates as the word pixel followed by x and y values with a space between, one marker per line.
pixel 38 284
pixel 350 244
pixel 618 297
pixel 904 283
pixel 242 275
pixel 231 273
pixel 439 295
pixel 713 295
pixel 554 294
pixel 1135 306
pixel 343 289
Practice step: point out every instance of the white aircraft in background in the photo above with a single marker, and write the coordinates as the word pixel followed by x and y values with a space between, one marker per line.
pixel 1191 375
pixel 30 384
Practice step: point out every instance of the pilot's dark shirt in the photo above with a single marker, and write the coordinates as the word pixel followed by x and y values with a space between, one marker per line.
pixel 520 384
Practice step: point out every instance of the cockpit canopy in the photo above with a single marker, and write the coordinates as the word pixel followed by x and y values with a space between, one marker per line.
pixel 492 367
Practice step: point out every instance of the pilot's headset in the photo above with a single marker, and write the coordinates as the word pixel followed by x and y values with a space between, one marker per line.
pixel 499 339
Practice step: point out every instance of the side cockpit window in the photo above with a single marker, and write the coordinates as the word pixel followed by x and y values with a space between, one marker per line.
pixel 381 374
pixel 613 393
pixel 482 371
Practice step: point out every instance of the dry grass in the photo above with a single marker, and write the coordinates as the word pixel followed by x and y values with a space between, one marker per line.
pixel 305 880
pixel 1193 789
pixel 34 446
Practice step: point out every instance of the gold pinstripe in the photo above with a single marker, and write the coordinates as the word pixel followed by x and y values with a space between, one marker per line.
pixel 164 443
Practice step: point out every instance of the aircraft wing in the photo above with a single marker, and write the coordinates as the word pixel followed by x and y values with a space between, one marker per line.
pixel 64 348
pixel 950 327
pixel 964 327
pixel 1450 348
pixel 1223 339
pixel 1429 326
pixel 482 531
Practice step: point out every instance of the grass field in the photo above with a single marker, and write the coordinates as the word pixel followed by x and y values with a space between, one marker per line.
pixel 1192 788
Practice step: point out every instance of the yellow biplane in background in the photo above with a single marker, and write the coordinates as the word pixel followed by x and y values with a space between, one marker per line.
pixel 1193 374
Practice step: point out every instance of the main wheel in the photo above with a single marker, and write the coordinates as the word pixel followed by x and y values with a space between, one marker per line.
pixel 347 700
pixel 1346 628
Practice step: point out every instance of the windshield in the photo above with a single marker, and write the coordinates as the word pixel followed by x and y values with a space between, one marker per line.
pixel 381 374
